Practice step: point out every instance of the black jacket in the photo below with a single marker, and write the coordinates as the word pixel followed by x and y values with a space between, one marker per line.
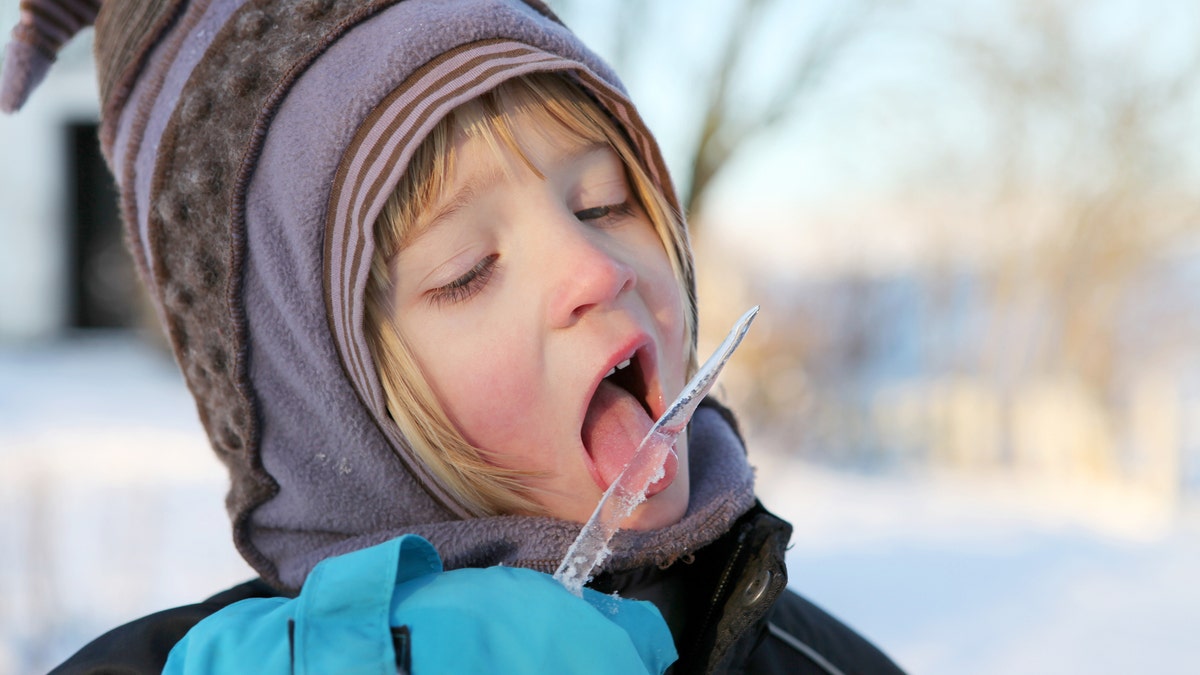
pixel 747 621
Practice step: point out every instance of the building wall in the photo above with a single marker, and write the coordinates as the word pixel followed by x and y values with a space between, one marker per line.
pixel 33 219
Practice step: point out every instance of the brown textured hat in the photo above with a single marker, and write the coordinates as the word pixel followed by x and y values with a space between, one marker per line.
pixel 254 143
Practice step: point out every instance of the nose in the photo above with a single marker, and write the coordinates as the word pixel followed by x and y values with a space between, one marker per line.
pixel 586 274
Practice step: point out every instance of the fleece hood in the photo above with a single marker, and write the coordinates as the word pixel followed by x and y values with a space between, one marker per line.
pixel 255 143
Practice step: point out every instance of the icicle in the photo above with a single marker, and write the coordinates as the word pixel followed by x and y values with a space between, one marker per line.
pixel 646 466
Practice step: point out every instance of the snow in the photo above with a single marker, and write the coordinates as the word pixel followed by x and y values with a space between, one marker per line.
pixel 111 507
pixel 994 574
pixel 111 502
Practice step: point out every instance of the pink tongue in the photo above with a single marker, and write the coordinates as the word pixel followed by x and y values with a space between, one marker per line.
pixel 612 430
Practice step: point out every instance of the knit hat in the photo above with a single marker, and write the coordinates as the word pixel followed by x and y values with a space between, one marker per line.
pixel 255 142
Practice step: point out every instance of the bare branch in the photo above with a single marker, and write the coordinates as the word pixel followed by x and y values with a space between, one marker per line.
pixel 1087 151
pixel 725 131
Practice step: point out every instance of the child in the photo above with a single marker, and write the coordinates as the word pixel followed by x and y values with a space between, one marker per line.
pixel 423 268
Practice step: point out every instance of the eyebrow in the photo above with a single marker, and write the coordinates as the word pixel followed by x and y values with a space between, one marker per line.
pixel 475 184
pixel 481 182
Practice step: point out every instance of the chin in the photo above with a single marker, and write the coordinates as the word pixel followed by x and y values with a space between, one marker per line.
pixel 662 510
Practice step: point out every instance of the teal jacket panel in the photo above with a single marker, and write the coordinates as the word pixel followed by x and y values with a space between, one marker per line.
pixel 390 608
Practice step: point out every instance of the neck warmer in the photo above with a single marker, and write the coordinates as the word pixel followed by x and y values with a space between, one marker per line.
pixel 254 144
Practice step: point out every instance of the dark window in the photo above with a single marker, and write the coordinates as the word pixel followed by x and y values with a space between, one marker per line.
pixel 102 287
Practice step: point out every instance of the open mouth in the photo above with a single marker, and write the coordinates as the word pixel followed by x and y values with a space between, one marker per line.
pixel 630 376
pixel 621 412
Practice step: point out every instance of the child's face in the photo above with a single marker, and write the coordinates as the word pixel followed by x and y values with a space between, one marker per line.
pixel 518 297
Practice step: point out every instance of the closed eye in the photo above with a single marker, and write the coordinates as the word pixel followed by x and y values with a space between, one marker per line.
pixel 464 287
pixel 604 215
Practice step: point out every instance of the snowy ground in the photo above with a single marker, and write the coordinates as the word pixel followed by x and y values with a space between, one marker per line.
pixel 976 575
pixel 111 507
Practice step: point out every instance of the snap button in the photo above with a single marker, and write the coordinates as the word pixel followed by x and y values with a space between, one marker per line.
pixel 757 587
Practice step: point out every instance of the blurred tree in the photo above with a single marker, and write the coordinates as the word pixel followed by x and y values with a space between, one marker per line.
pixel 727 121
pixel 1088 164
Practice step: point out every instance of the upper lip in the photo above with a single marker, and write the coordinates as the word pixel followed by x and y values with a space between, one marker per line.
pixel 639 347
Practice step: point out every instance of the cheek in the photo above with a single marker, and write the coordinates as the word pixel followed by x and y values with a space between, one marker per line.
pixel 481 383
pixel 665 300
pixel 664 294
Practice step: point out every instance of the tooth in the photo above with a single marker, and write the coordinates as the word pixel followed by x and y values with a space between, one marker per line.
pixel 620 366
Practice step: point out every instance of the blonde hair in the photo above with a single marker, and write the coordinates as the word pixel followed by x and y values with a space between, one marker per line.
pixel 555 102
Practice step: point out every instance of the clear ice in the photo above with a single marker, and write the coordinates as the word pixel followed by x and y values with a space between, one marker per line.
pixel 646 466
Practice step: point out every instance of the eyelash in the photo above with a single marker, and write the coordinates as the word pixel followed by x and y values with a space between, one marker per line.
pixel 603 215
pixel 467 285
